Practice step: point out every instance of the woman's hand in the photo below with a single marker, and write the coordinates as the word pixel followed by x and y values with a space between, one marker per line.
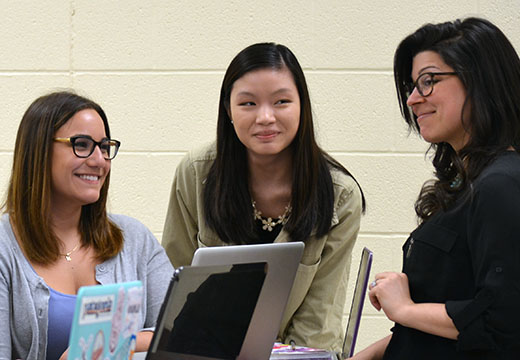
pixel 143 340
pixel 390 292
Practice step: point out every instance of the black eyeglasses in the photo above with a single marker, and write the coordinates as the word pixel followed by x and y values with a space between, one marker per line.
pixel 83 146
pixel 424 83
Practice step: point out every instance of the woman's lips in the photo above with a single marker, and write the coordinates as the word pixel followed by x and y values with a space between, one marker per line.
pixel 424 115
pixel 88 178
pixel 266 135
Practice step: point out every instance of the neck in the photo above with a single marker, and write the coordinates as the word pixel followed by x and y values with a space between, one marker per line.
pixel 65 223
pixel 270 182
pixel 270 170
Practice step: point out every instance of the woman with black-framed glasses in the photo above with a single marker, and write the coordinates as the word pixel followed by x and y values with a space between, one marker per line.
pixel 458 86
pixel 56 235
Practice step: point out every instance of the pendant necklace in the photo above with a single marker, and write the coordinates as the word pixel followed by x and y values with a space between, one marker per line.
pixel 67 255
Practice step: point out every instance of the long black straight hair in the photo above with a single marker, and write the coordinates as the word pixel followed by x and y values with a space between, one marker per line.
pixel 227 200
pixel 489 68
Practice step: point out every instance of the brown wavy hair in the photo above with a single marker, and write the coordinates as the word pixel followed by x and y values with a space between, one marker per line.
pixel 29 191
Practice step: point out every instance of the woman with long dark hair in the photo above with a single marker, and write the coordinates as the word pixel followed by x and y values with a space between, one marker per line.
pixel 458 85
pixel 56 235
pixel 266 180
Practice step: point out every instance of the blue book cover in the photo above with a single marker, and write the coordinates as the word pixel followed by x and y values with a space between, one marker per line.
pixel 106 320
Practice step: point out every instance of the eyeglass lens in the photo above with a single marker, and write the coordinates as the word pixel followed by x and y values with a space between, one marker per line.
pixel 425 84
pixel 84 147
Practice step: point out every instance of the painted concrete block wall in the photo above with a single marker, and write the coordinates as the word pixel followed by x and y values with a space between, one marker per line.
pixel 156 68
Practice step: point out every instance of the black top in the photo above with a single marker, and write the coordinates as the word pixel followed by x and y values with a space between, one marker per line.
pixel 469 259
pixel 265 236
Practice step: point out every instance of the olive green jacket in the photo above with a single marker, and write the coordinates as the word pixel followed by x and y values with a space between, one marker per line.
pixel 314 313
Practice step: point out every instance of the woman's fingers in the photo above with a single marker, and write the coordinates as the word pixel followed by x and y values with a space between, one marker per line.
pixel 373 300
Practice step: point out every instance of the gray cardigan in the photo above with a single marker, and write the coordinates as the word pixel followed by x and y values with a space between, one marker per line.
pixel 24 296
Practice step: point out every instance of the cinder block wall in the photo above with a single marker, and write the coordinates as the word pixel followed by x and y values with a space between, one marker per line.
pixel 156 68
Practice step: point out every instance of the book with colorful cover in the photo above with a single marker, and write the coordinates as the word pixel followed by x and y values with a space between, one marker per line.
pixel 284 351
pixel 105 322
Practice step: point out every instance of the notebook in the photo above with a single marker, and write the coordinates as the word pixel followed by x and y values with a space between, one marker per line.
pixel 284 351
pixel 282 260
pixel 105 321
pixel 207 311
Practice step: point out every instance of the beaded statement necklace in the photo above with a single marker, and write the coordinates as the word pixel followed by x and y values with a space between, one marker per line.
pixel 269 223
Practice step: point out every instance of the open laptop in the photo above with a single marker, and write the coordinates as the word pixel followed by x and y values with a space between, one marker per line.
pixel 207 312
pixel 282 260
pixel 106 321
pixel 356 308
pixel 287 352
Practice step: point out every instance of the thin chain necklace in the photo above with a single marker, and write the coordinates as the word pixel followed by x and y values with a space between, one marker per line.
pixel 67 255
pixel 269 223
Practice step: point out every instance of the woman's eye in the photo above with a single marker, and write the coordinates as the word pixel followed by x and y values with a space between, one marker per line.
pixel 283 101
pixel 247 103
pixel 427 82
pixel 79 144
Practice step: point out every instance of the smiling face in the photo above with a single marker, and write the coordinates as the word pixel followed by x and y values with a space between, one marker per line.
pixel 439 115
pixel 265 109
pixel 78 181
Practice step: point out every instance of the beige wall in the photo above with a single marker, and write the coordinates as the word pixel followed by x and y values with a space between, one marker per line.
pixel 156 67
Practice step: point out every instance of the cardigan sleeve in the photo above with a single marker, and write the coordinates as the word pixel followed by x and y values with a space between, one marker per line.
pixel 491 319
pixel 5 319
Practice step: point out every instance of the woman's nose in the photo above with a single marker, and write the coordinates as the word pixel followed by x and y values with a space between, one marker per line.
pixel 265 115
pixel 414 97
pixel 96 158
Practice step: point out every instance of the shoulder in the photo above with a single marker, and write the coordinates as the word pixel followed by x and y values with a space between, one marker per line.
pixel 502 174
pixel 137 237
pixel 207 152
pixel 5 229
pixel 7 242
pixel 139 243
pixel 141 252
pixel 12 259
pixel 496 191
pixel 193 169
pixel 345 189
pixel 202 156
pixel 128 224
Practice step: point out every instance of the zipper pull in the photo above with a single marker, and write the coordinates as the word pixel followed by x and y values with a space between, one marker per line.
pixel 409 250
